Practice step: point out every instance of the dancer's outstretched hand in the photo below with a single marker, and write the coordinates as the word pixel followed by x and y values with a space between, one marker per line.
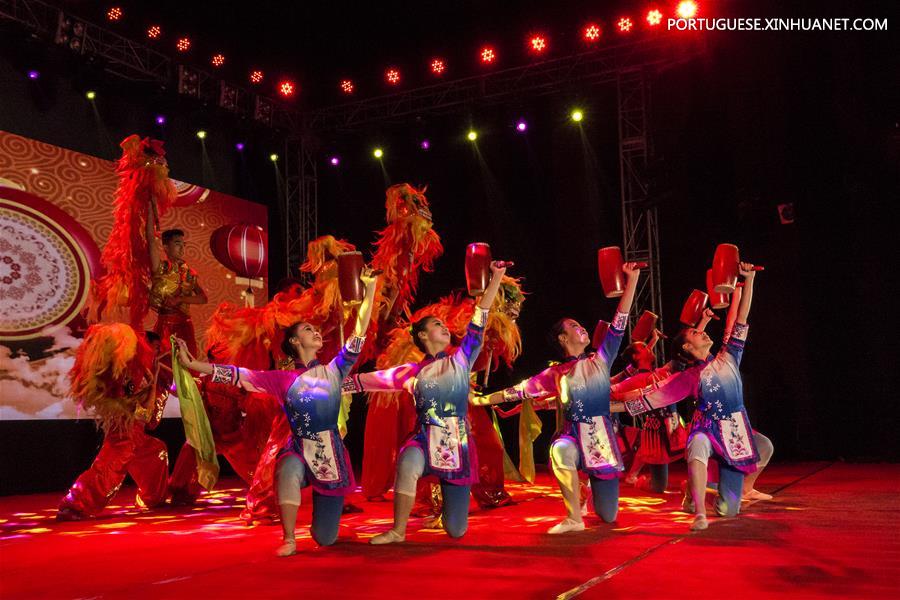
pixel 498 267
pixel 184 355
pixel 747 270
pixel 631 269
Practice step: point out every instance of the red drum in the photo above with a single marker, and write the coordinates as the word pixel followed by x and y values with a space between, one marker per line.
pixel 717 300
pixel 609 265
pixel 693 308
pixel 478 268
pixel 599 333
pixel 350 266
pixel 725 268
pixel 644 327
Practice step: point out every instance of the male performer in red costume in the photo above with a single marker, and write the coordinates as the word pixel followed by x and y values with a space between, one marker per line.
pixel 174 286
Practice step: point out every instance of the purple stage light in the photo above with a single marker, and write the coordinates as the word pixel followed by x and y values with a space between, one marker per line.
pixel 335 161
pixel 521 126
pixel 239 146
pixel 425 145
pixel 34 75
pixel 160 119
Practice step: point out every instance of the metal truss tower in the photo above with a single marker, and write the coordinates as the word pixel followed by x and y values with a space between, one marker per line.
pixel 640 226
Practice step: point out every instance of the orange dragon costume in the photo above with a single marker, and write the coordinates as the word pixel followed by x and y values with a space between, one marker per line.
pixel 114 378
pixel 122 293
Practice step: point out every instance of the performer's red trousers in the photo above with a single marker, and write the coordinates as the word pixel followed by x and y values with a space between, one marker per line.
pixel 178 324
pixel 133 452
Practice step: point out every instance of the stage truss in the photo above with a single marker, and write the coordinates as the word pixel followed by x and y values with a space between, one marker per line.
pixel 630 66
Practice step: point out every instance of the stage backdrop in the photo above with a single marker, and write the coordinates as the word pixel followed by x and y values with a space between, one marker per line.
pixel 55 216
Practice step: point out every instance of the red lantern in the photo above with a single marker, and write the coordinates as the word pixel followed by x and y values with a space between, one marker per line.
pixel 242 249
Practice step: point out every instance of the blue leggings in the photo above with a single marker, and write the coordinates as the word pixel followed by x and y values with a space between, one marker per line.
pixel 731 485
pixel 455 515
pixel 456 509
pixel 327 510
pixel 606 498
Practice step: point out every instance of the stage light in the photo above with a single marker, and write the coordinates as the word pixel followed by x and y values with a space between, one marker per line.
pixel 438 66
pixel 591 32
pixel 654 18
pixel 687 9
pixel 256 76
pixel 239 146
pixel 201 134
pixel 160 119
pixel 425 145
pixel 472 135
pixel 521 126
pixel 537 44
pixel 218 60
pixel 273 157
pixel 153 32
pixel 114 13
pixel 335 161
pixel 286 88
pixel 33 75
pixel 183 44
pixel 577 115
pixel 392 76
pixel 625 24
pixel 378 153
pixel 90 95
pixel 488 56
pixel 347 86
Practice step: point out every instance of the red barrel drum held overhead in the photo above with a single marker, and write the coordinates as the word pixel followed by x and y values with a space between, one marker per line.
pixel 693 308
pixel 644 327
pixel 717 300
pixel 725 268
pixel 478 268
pixel 609 266
pixel 350 266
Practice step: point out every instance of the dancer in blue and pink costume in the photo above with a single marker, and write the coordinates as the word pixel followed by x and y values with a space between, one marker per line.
pixel 721 428
pixel 442 445
pixel 314 454
pixel 587 440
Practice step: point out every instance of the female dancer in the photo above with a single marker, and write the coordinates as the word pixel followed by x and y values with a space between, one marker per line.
pixel 311 395
pixel 720 428
pixel 587 440
pixel 442 445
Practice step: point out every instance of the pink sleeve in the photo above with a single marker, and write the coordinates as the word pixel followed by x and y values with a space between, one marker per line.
pixel 386 380
pixel 545 383
pixel 274 383
pixel 673 389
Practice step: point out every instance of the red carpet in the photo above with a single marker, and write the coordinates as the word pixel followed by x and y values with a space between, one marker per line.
pixel 831 531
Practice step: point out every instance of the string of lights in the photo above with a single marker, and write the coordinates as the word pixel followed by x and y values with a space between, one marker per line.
pixel 537 44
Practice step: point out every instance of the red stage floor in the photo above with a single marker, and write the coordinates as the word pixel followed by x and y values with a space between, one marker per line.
pixel 832 531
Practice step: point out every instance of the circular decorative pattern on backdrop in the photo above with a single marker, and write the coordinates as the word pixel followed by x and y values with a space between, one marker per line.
pixel 46 262
pixel 188 193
